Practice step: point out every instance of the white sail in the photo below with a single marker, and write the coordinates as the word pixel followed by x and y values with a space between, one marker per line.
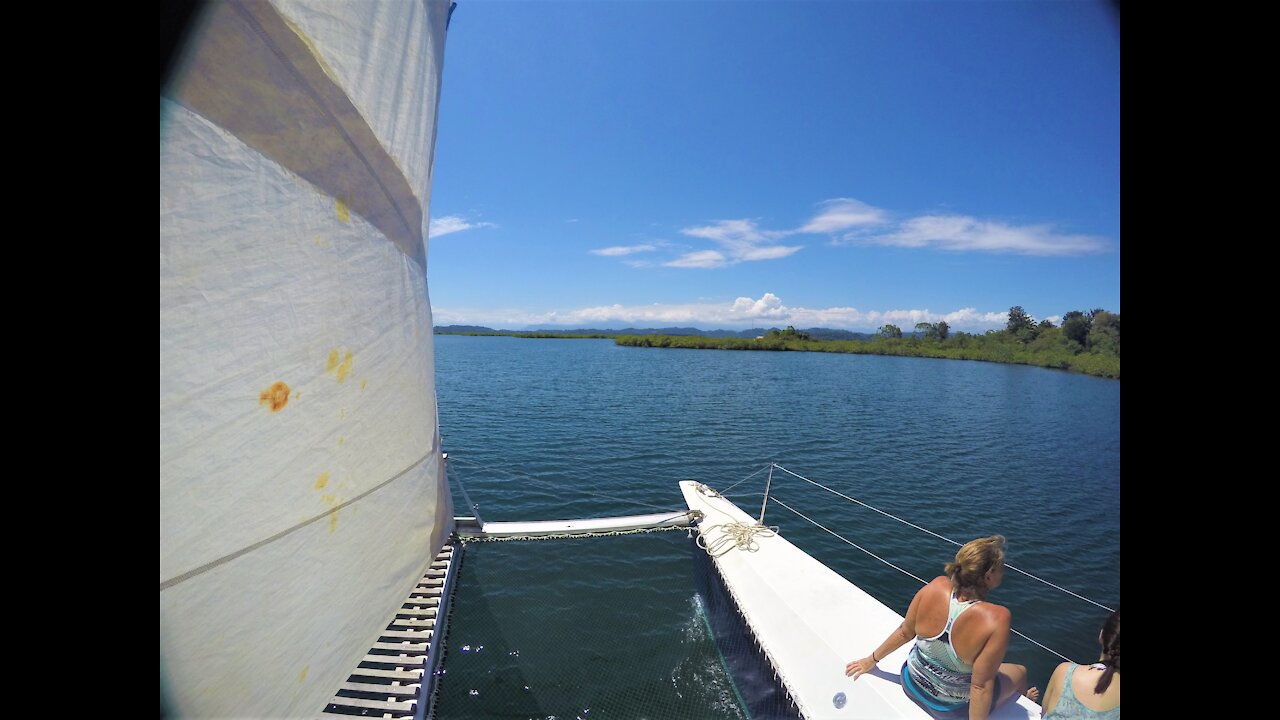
pixel 302 492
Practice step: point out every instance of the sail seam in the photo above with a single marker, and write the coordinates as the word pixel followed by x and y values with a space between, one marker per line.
pixel 323 106
pixel 308 125
pixel 171 582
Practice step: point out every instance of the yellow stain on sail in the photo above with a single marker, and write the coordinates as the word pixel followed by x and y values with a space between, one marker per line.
pixel 321 242
pixel 341 439
pixel 363 383
pixel 344 213
pixel 322 481
pixel 302 676
pixel 330 501
pixel 275 397
pixel 338 365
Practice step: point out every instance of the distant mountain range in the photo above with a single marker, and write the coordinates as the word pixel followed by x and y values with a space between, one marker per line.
pixel 815 333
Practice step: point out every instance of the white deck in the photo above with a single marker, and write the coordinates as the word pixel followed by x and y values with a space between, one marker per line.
pixel 811 621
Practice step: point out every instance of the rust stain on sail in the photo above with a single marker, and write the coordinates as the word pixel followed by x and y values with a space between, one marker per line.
pixel 275 397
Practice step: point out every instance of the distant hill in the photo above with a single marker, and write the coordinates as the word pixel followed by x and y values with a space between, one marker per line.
pixel 449 329
pixel 815 333
pixel 833 334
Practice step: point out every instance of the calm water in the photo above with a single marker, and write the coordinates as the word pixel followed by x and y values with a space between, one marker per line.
pixel 542 429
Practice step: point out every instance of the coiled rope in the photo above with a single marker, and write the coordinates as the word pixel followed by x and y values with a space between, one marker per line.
pixel 735 534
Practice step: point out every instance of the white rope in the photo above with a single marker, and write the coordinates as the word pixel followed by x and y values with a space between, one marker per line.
pixel 738 535
pixel 941 537
pixel 895 567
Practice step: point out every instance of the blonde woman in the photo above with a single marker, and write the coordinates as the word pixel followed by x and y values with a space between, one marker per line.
pixel 957 663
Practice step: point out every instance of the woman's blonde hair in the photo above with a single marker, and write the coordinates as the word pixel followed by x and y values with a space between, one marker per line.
pixel 973 563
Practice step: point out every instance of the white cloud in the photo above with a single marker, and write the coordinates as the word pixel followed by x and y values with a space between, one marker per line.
pixel 769 252
pixel 959 233
pixel 743 312
pixel 618 250
pixel 451 224
pixel 700 259
pixel 852 221
pixel 769 305
pixel 842 214
pixel 739 240
pixel 733 232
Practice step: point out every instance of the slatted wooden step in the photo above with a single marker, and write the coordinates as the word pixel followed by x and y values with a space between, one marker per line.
pixel 401 661
pixel 405 648
pixel 418 612
pixel 399 654
pixel 414 635
pixel 394 706
pixel 405 690
pixel 423 624
pixel 404 676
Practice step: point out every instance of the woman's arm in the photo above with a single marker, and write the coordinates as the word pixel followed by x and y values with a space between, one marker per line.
pixel 903 634
pixel 1053 692
pixel 985 667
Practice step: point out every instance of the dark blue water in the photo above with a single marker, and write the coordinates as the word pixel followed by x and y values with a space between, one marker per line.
pixel 965 449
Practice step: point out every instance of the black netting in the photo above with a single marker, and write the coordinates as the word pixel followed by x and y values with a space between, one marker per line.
pixel 616 627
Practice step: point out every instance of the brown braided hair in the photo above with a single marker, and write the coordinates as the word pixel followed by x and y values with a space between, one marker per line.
pixel 1110 651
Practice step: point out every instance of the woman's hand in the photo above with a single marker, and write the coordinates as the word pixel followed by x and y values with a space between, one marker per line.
pixel 858 667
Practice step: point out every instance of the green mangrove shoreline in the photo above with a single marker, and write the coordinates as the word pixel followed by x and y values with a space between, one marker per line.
pixel 1048 350
pixel 1089 363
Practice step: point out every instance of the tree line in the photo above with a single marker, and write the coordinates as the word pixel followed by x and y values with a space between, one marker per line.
pixel 1084 342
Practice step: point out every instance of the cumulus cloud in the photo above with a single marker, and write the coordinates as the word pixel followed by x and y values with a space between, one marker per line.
pixel 959 233
pixel 767 310
pixel 618 250
pixel 451 224
pixel 769 305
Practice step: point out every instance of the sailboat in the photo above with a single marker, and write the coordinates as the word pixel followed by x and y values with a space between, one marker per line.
pixel 303 491
pixel 302 487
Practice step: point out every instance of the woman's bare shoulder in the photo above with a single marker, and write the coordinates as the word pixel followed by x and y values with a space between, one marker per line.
pixel 996 613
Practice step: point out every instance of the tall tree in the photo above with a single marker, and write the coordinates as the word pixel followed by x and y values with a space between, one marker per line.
pixel 1075 326
pixel 1019 320
pixel 1104 335
pixel 890 331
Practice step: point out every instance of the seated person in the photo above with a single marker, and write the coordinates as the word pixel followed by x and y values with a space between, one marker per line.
pixel 1079 692
pixel 956 667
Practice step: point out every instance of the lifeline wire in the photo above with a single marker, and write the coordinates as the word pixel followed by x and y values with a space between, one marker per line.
pixel 895 567
pixel 940 537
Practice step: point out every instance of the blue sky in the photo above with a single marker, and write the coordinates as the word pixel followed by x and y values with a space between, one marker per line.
pixel 746 164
